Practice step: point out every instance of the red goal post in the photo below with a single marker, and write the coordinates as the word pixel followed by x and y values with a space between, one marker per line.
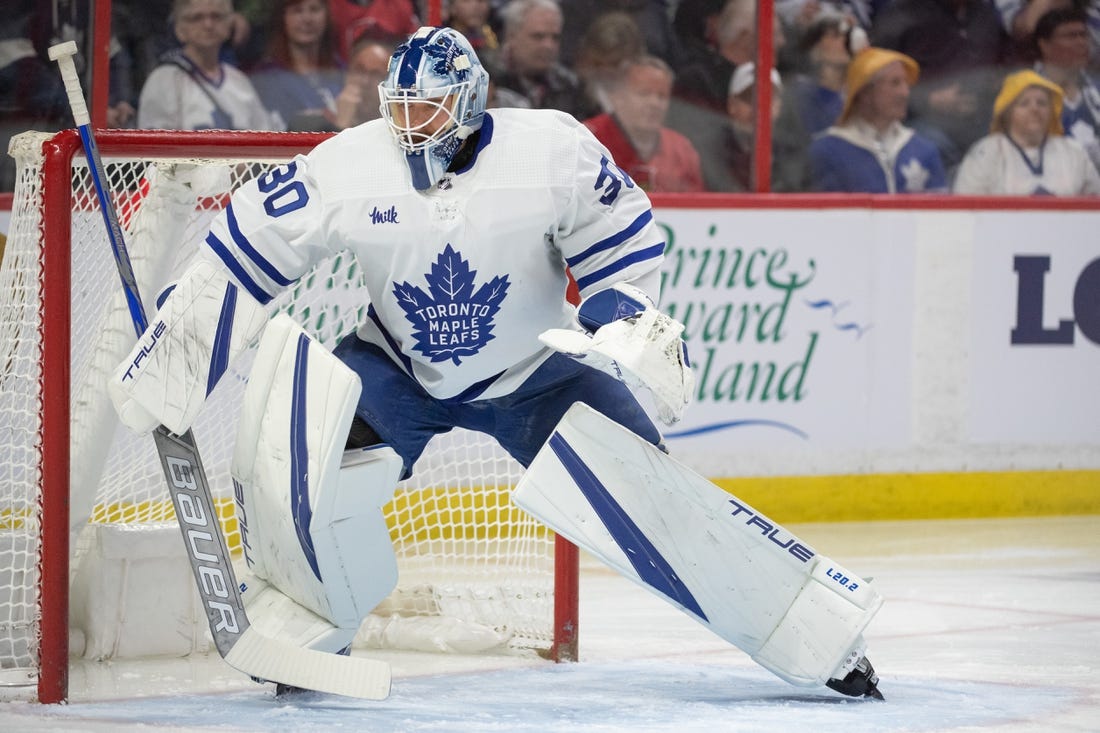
pixel 453 516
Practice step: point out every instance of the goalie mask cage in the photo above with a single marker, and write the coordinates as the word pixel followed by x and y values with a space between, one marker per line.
pixel 66 466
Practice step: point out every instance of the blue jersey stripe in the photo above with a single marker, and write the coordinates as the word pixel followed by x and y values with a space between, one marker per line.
pixel 219 354
pixel 473 391
pixel 218 248
pixel 299 457
pixel 633 258
pixel 654 570
pixel 614 240
pixel 406 362
pixel 246 247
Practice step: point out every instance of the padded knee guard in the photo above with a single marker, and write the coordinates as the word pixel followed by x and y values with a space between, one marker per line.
pixel 310 514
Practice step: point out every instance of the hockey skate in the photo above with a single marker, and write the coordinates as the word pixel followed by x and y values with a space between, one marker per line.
pixel 282 690
pixel 860 682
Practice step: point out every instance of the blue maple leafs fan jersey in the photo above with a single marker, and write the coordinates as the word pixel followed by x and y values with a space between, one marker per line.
pixel 460 278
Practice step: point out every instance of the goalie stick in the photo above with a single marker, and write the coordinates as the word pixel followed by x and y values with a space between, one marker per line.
pixel 240 644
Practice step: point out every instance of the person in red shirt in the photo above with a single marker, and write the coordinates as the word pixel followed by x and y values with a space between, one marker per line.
pixel 380 19
pixel 658 158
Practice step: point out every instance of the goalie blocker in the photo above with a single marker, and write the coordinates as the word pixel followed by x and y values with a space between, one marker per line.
pixel 799 614
pixel 203 325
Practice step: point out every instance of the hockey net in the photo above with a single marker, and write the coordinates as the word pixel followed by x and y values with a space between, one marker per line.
pixel 68 470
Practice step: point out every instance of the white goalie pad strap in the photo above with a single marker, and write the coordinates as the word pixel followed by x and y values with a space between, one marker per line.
pixel 645 350
pixel 678 535
pixel 310 516
pixel 203 326
pixel 277 615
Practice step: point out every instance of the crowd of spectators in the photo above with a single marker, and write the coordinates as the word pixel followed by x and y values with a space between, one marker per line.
pixel 887 96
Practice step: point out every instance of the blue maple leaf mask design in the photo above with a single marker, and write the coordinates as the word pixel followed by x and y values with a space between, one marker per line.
pixel 452 320
pixel 444 52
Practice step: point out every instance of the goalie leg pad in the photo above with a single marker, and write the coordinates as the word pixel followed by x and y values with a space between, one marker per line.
pixel 310 515
pixel 201 328
pixel 656 522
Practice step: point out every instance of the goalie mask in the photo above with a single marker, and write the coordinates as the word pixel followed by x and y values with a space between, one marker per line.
pixel 433 98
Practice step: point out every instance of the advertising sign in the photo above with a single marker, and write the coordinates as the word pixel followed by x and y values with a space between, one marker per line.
pixel 1035 365
pixel 799 326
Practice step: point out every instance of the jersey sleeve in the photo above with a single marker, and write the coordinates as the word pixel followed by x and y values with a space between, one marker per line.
pixel 826 166
pixel 978 171
pixel 272 232
pixel 608 234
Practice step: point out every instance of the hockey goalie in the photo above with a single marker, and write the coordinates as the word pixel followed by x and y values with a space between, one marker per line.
pixel 466 224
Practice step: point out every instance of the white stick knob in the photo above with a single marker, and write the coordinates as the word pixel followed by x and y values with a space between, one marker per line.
pixel 63 54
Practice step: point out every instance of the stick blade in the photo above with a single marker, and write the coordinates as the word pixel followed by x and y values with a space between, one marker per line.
pixel 271 659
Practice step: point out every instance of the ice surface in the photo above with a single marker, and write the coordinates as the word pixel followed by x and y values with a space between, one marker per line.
pixel 989 625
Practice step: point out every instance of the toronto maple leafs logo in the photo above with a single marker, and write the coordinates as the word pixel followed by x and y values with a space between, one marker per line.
pixel 444 56
pixel 449 57
pixel 451 321
pixel 916 175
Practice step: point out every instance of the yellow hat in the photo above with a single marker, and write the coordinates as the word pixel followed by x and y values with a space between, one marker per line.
pixel 1013 86
pixel 863 68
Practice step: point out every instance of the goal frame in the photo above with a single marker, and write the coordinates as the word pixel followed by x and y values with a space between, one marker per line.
pixel 55 283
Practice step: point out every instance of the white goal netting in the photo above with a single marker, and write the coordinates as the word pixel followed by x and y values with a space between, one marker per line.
pixel 464 551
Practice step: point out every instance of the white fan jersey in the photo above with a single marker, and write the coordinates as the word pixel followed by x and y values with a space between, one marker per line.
pixel 462 278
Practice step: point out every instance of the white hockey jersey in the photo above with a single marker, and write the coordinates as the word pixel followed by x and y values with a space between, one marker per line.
pixel 461 278
pixel 173 99
pixel 996 166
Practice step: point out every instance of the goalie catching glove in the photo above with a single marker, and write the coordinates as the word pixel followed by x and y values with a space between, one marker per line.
pixel 634 342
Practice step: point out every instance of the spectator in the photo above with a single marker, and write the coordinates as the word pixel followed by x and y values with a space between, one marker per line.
pixel 1026 152
pixel 656 157
pixel 733 171
pixel 729 40
pixel 530 57
pixel 959 46
pixel 145 33
pixel 695 25
pixel 379 18
pixel 142 30
pixel 1061 37
pixel 869 149
pixel 728 33
pixel 610 39
pixel 32 96
pixel 1020 17
pixel 193 89
pixel 471 19
pixel 502 96
pixel 799 15
pixel 358 100
pixel 46 24
pixel 650 17
pixel 816 89
pixel 299 77
pixel 32 87
pixel 69 20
